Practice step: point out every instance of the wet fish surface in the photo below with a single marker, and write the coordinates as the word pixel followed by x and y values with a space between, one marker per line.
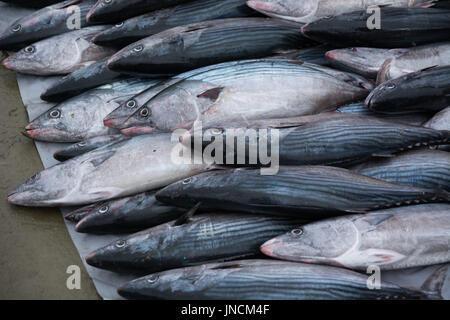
pixel 192 46
pixel 314 55
pixel 136 28
pixel 47 22
pixel 400 28
pixel 268 280
pixel 32 3
pixel 415 59
pixel 129 214
pixel 82 147
pixel 81 117
pixel 129 167
pixel 377 238
pixel 78 214
pixel 59 55
pixel 202 239
pixel 309 192
pixel 440 121
pixel 425 90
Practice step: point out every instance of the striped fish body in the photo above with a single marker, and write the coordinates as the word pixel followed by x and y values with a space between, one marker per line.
pixel 314 55
pixel 379 238
pixel 308 192
pixel 202 239
pixel 136 28
pixel 428 169
pixel 261 280
pixel 205 43
pixel 44 23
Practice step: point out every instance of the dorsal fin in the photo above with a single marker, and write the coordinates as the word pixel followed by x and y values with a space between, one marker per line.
pixel 185 217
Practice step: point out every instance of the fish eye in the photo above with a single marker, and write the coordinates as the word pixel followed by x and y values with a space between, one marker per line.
pixel 16 28
pixel 103 209
pixel 145 112
pixel 186 181
pixel 131 104
pixel 107 1
pixel 297 232
pixel 81 144
pixel 55 114
pixel 138 48
pixel 120 243
pixel 328 17
pixel 30 49
pixel 390 86
pixel 216 132
pixel 119 25
pixel 152 279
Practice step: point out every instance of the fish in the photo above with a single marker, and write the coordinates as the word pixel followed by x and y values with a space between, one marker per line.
pixel 425 90
pixel 249 90
pixel 137 28
pixel 428 169
pixel 364 61
pixel 129 214
pixel 263 279
pixel 81 80
pixel 399 28
pixel 413 119
pixel 379 238
pixel 199 44
pixel 117 10
pixel 329 139
pixel 77 149
pixel 314 55
pixel 440 121
pixel 312 10
pixel 126 168
pixel 416 59
pixel 59 55
pixel 81 117
pixel 43 23
pixel 78 214
pixel 31 3
pixel 309 192
pixel 203 238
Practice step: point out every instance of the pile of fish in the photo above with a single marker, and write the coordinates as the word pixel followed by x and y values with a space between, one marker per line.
pixel 359 118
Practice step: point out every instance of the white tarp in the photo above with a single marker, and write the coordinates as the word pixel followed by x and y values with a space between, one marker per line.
pixel 107 282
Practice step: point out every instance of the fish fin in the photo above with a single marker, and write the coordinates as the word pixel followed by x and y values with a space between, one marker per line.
pixel 372 256
pixel 375 219
pixel 435 282
pixel 211 94
pixel 429 68
pixel 383 155
pixel 102 158
pixel 187 216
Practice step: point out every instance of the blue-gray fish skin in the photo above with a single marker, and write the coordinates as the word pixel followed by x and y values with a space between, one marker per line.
pixel 78 214
pixel 139 27
pixel 308 192
pixel 129 214
pixel 400 28
pixel 413 119
pixel 262 280
pixel 44 23
pixel 396 238
pixel 314 55
pixel 428 169
pixel 422 91
pixel 32 3
pixel 117 10
pixel 202 239
pixel 82 147
pixel 199 44
pixel 80 81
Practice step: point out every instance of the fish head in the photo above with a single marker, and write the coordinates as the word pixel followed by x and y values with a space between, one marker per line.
pixel 319 242
pixel 286 9
pixel 78 214
pixel 15 34
pixel 105 9
pixel 387 97
pixel 126 111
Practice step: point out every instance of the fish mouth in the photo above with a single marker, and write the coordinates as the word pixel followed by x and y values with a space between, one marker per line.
pixel 84 226
pixel 92 14
pixel 6 65
pixel 137 131
pixel 269 247
pixel 115 122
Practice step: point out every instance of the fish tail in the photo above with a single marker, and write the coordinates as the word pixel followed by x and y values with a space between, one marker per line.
pixel 432 287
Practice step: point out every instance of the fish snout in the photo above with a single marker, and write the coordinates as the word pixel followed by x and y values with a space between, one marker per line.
pixel 7 63
pixel 136 131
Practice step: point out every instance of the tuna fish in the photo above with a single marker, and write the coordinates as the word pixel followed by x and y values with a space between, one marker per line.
pixel 416 59
pixel 47 22
pixel 81 117
pixel 129 167
pixel 82 147
pixel 312 10
pixel 314 55
pixel 309 192
pixel 364 61
pixel 399 28
pixel 59 55
pixel 139 27
pixel 32 3
pixel 129 214
pixel 379 238
pixel 188 47
pixel 426 90
pixel 201 239
pixel 271 280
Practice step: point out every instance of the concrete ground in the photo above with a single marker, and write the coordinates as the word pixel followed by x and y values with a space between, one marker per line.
pixel 36 248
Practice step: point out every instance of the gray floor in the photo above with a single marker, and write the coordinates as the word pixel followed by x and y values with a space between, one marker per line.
pixel 36 248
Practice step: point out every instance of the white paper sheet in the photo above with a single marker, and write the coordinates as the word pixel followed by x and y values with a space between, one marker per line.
pixel 107 282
